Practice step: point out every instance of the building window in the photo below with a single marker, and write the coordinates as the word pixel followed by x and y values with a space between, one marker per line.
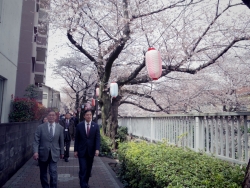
pixel 1 4
pixel 45 96
pixel 1 96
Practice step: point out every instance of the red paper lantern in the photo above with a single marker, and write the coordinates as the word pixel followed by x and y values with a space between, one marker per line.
pixel 97 92
pixel 113 89
pixel 93 102
pixel 153 63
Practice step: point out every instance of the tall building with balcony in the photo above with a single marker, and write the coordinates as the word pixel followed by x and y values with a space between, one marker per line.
pixel 31 66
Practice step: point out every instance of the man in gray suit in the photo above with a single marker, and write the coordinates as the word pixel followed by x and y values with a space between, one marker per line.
pixel 48 147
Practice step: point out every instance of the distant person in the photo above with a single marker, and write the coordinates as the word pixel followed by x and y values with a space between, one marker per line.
pixel 87 145
pixel 75 119
pixel 45 120
pixel 69 134
pixel 48 148
pixel 63 116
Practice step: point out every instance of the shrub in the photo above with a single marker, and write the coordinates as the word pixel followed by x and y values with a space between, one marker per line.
pixel 146 165
pixel 105 147
pixel 121 135
pixel 26 110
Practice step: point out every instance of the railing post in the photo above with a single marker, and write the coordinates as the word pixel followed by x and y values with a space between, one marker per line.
pixel 246 139
pixel 130 125
pixel 152 130
pixel 197 134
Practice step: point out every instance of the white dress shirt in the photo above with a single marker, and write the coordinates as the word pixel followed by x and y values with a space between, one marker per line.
pixel 53 127
pixel 86 127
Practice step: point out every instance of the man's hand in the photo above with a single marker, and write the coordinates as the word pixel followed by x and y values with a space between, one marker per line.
pixel 96 152
pixel 76 154
pixel 35 156
pixel 61 156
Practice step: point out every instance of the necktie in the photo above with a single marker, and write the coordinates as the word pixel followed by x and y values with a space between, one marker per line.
pixel 51 132
pixel 87 130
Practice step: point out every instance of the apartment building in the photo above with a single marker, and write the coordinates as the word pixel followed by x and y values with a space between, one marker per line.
pixel 23 49
pixel 33 44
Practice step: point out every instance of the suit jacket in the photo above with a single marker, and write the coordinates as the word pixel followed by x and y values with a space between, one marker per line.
pixel 87 145
pixel 71 127
pixel 42 143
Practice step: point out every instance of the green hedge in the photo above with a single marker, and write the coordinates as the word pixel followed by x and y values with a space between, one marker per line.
pixel 146 165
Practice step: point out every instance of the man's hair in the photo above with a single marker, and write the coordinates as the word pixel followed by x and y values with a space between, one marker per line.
pixel 51 111
pixel 88 110
pixel 68 113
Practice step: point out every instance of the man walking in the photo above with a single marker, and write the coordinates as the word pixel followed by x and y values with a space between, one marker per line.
pixel 75 119
pixel 87 145
pixel 48 148
pixel 69 134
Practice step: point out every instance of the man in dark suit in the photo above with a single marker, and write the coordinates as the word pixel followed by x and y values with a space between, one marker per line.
pixel 87 145
pixel 75 119
pixel 48 148
pixel 69 134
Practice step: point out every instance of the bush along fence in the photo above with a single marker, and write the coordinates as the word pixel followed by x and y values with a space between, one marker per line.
pixel 24 110
pixel 147 165
pixel 224 135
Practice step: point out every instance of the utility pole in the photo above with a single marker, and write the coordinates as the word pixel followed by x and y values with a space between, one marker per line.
pixel 52 99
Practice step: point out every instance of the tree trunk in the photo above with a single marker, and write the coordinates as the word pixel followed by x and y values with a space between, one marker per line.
pixel 246 182
pixel 113 120
pixel 77 104
pixel 105 109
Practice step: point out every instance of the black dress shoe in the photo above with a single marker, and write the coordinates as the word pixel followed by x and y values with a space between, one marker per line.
pixel 66 160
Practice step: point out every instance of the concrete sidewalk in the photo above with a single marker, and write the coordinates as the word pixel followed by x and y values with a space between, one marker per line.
pixel 102 175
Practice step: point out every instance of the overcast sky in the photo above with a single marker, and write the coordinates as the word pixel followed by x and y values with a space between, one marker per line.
pixel 57 48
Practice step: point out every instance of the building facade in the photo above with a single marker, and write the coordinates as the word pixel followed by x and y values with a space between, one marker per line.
pixel 51 97
pixel 10 23
pixel 33 44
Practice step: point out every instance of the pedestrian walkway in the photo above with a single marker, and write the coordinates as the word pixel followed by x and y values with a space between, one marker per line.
pixel 102 175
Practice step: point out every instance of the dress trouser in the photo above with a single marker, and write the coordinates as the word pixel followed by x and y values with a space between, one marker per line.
pixel 85 164
pixel 66 151
pixel 52 172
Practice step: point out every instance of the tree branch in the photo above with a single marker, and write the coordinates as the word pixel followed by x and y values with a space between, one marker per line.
pixel 142 107
pixel 70 37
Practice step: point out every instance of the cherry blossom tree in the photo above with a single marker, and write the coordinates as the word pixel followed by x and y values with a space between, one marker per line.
pixel 114 35
pixel 80 78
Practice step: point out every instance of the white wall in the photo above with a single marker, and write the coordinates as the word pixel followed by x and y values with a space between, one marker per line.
pixel 9 47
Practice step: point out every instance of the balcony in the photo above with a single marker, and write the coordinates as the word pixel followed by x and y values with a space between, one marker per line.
pixel 39 68
pixel 41 54
pixel 42 28
pixel 39 78
pixel 43 15
pixel 42 41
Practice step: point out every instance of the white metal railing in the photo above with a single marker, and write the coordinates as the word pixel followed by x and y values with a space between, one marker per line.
pixel 224 135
